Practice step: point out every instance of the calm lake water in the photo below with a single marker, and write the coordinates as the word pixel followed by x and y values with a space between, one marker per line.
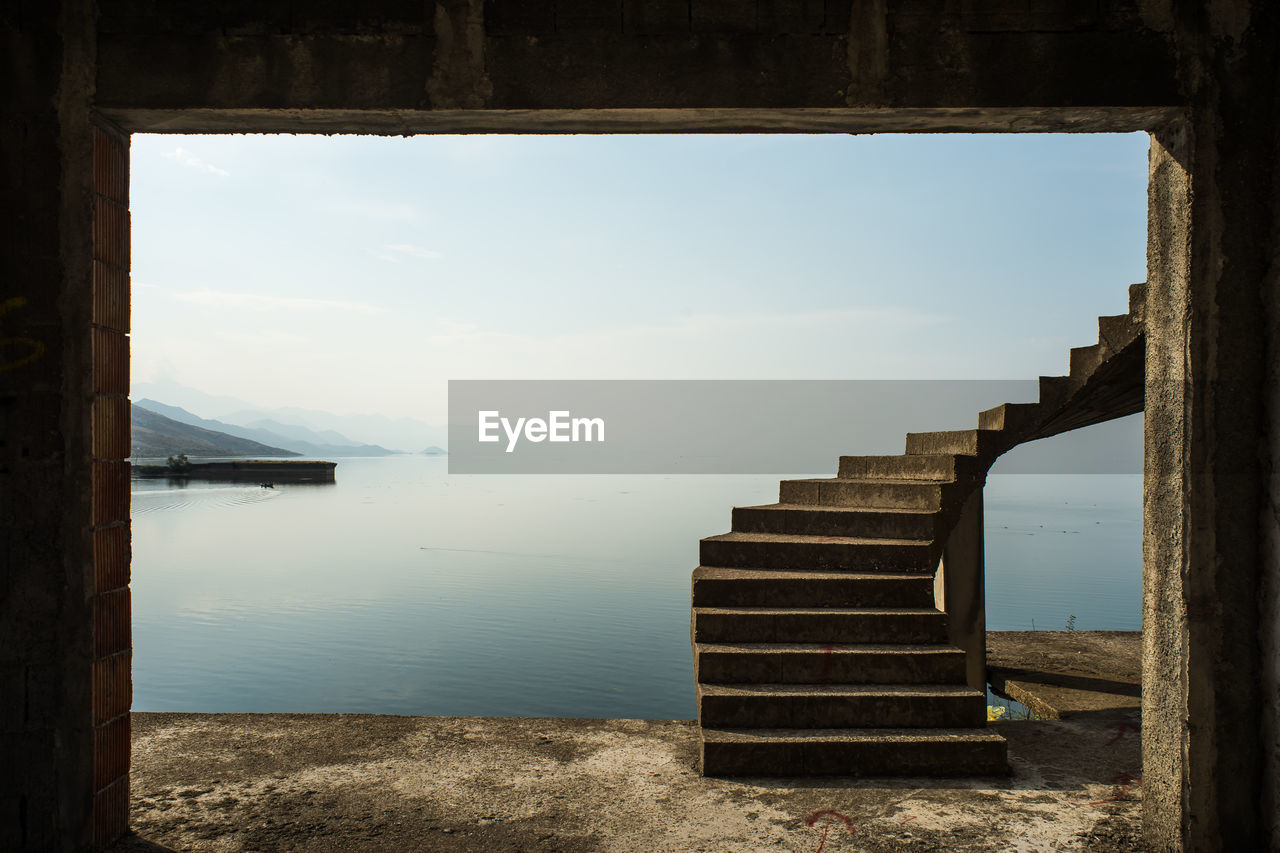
pixel 403 590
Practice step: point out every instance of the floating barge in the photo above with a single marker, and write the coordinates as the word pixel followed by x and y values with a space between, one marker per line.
pixel 266 472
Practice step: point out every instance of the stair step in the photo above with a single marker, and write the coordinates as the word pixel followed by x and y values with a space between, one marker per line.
pixel 838 706
pixel 970 442
pixel 790 551
pixel 1118 332
pixel 1009 417
pixel 925 466
pixel 835 521
pixel 727 587
pixel 863 493
pixel 1054 390
pixel 827 663
pixel 1085 360
pixel 819 625
pixel 854 752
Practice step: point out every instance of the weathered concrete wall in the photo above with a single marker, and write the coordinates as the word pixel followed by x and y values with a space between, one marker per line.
pixel 1212 546
pixel 410 60
pixel 1164 614
pixel 1209 601
pixel 46 626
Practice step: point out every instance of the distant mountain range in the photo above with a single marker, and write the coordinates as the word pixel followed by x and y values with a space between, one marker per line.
pixel 325 428
pixel 155 435
pixel 296 440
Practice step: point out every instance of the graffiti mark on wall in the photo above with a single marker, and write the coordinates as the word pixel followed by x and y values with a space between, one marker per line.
pixel 17 352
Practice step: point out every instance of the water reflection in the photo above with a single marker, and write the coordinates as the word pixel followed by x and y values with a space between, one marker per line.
pixel 404 590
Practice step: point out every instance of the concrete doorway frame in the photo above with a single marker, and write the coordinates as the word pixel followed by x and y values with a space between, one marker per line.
pixel 1201 76
pixel 110 238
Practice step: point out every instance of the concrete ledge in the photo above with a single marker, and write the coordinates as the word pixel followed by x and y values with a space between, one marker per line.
pixel 1068 674
pixel 287 782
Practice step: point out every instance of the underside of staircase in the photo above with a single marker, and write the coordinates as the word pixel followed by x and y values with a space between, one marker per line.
pixel 819 648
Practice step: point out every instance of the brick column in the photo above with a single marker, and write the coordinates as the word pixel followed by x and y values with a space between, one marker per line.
pixel 112 680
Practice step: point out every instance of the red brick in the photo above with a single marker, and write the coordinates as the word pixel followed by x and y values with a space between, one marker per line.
pixel 112 688
pixel 110 427
pixel 110 296
pixel 111 232
pixel 110 492
pixel 110 752
pixel 111 165
pixel 111 811
pixel 111 622
pixel 110 362
pixel 111 553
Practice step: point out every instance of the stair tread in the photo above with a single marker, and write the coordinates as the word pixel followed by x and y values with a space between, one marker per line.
pixel 786 507
pixel 912 457
pixel 897 481
pixel 825 611
pixel 967 432
pixel 834 648
pixel 731 573
pixel 836 689
pixel 812 539
pixel 740 735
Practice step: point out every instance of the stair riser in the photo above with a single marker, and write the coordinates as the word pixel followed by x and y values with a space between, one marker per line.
pixel 816 758
pixel 1011 418
pixel 1118 332
pixel 838 712
pixel 942 467
pixel 965 442
pixel 717 667
pixel 818 628
pixel 817 522
pixel 783 592
pixel 1054 390
pixel 814 555
pixel 1085 360
pixel 882 495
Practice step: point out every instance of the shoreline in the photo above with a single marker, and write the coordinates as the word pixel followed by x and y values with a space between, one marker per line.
pixel 248 470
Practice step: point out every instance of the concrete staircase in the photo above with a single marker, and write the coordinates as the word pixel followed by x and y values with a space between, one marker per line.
pixel 818 648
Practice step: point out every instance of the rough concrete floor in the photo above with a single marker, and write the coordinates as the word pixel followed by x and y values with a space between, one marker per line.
pixel 244 782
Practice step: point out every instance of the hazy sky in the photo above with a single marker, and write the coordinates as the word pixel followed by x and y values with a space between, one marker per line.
pixel 359 274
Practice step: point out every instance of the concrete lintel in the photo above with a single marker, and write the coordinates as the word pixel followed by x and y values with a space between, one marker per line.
pixel 805 120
